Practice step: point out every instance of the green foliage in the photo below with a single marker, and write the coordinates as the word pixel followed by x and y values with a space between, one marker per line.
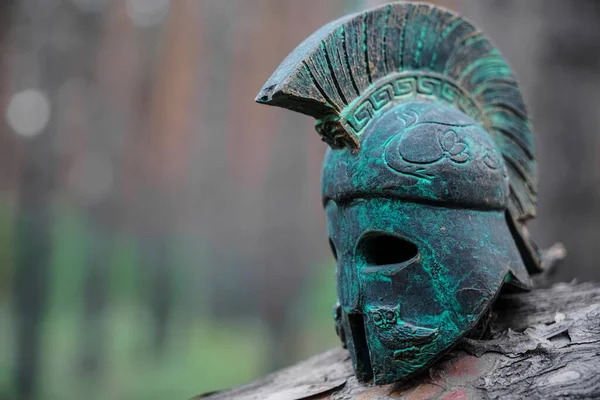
pixel 202 353
pixel 199 357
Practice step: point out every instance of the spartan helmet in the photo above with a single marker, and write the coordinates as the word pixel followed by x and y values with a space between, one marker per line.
pixel 427 184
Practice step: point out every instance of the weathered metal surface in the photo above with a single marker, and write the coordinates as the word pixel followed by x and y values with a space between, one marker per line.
pixel 428 182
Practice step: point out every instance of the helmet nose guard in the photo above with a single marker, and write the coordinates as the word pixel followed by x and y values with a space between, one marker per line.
pixel 429 179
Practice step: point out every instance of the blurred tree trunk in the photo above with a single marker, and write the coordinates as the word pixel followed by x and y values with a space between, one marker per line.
pixel 155 258
pixel 114 77
pixel 99 212
pixel 32 259
pixel 164 143
pixel 95 297
pixel 39 68
pixel 9 143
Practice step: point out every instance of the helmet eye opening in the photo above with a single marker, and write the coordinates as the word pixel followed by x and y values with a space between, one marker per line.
pixel 383 249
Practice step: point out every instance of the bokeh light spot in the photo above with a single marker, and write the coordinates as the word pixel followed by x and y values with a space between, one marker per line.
pixel 28 112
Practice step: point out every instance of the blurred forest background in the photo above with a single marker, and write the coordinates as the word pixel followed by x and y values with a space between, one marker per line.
pixel 161 235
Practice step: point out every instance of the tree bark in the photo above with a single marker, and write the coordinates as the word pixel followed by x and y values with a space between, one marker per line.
pixel 543 344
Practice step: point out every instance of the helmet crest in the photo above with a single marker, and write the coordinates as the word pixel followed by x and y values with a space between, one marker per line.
pixel 352 69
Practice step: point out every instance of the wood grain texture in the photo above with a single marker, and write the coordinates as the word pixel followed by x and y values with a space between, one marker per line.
pixel 544 345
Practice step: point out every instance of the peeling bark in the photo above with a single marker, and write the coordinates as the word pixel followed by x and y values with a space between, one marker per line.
pixel 544 344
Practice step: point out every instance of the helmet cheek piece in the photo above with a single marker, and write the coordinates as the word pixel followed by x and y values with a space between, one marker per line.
pixel 428 182
pixel 415 278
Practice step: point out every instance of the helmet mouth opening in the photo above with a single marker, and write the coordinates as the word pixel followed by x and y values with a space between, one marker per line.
pixel 360 350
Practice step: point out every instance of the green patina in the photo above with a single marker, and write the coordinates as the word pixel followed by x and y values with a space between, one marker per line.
pixel 428 183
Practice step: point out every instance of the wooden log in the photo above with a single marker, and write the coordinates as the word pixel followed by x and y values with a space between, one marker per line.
pixel 544 344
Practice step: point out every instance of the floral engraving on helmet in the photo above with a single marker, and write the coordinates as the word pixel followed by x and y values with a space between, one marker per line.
pixel 454 148
pixel 491 159
pixel 412 150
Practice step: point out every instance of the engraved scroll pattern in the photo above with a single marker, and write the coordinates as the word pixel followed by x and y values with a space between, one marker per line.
pixel 407 87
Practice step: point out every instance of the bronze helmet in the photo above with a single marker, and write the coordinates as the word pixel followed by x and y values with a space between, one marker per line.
pixel 428 182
